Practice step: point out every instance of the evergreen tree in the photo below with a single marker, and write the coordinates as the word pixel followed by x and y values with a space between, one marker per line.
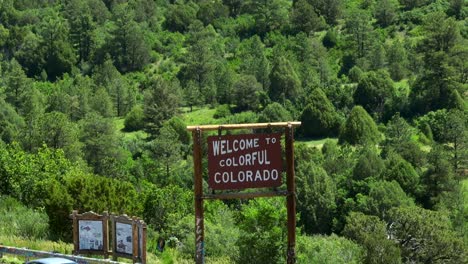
pixel 16 85
pixel 268 15
pixel 397 61
pixel 358 29
pixel 101 145
pixel 304 18
pixel 134 120
pixel 414 227
pixel 316 199
pixel 166 149
pixel 373 92
pixel 274 112
pixel 180 16
pixel 10 122
pixel 370 232
pixel 128 46
pixel 101 102
pixel 107 76
pixel 399 170
pixel 434 88
pixel 330 9
pixel 254 60
pixel 162 99
pixel 385 12
pixel 439 177
pixel 383 196
pixel 56 131
pixel 59 53
pixel 319 117
pixel 285 83
pixel 81 22
pixel 246 93
pixel 198 71
pixel 359 128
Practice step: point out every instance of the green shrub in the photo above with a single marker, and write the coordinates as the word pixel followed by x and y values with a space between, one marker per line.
pixel 135 119
pixel 328 249
pixel 222 111
pixel 18 220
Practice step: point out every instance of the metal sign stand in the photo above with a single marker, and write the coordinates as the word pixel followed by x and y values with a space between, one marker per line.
pixel 290 193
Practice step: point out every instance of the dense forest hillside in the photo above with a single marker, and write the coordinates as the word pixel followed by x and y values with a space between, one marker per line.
pixel 95 97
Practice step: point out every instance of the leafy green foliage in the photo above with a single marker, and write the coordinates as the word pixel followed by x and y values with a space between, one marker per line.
pixel 414 227
pixel 262 231
pixel 160 210
pixel 134 120
pixel 383 196
pixel 371 233
pixel 10 122
pixel 222 111
pixel 101 149
pixel 72 70
pixel 274 112
pixel 246 93
pixel 328 249
pixel 304 18
pixel 373 92
pixel 18 220
pixel 316 195
pixel 402 171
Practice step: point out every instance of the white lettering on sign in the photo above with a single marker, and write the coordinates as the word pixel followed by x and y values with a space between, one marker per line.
pixel 246 176
pixel 223 146
pixel 244 161
pixel 249 159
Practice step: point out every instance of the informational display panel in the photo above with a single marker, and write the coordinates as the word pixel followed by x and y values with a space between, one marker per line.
pixel 124 238
pixel 91 235
pixel 244 161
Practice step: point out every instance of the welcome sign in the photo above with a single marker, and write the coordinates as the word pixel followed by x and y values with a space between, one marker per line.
pixel 244 161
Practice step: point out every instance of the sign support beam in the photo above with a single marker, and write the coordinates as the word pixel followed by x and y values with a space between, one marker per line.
pixel 291 198
pixel 198 189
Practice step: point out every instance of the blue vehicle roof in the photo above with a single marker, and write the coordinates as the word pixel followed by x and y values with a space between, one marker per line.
pixel 51 261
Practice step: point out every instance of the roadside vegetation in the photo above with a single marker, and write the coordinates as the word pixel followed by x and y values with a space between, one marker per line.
pixel 96 95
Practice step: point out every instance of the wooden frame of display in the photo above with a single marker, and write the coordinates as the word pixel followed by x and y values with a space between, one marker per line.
pixel 141 227
pixel 134 235
pixel 80 232
pixel 130 239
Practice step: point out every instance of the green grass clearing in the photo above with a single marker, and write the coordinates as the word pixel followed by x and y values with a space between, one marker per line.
pixel 199 116
pixel 119 126
pixel 317 143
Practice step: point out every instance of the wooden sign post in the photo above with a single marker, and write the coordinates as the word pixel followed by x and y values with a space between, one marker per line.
pixel 240 162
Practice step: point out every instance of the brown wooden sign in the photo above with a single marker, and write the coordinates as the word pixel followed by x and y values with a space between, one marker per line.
pixel 229 155
pixel 244 161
